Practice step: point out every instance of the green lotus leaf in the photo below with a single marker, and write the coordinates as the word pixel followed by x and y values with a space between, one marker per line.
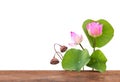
pixel 98 61
pixel 75 59
pixel 107 33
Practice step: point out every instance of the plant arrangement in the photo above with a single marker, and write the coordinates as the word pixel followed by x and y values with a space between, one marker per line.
pixel 98 33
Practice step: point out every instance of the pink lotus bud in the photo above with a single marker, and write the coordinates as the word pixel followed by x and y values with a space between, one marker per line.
pixel 76 38
pixel 94 29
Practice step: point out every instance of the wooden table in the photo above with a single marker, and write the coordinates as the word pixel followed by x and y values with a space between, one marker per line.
pixel 59 76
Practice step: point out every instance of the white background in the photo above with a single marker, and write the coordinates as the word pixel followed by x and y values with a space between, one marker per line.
pixel 29 29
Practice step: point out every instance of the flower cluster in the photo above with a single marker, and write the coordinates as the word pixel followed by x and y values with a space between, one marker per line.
pixel 99 33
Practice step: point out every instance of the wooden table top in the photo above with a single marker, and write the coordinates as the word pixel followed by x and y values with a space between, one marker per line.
pixel 59 76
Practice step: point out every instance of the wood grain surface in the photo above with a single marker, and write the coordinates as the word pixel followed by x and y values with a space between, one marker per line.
pixel 59 76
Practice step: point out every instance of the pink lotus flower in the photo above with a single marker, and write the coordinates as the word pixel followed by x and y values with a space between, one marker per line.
pixel 94 29
pixel 76 39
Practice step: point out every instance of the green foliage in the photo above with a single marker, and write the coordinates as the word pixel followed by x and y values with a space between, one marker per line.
pixel 98 61
pixel 75 59
pixel 107 33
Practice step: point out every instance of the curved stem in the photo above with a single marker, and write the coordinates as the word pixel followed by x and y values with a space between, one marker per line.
pixel 57 44
pixel 58 55
pixel 56 51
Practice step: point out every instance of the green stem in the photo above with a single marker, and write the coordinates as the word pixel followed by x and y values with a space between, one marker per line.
pixel 83 49
pixel 94 45
pixel 81 46
pixel 83 68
